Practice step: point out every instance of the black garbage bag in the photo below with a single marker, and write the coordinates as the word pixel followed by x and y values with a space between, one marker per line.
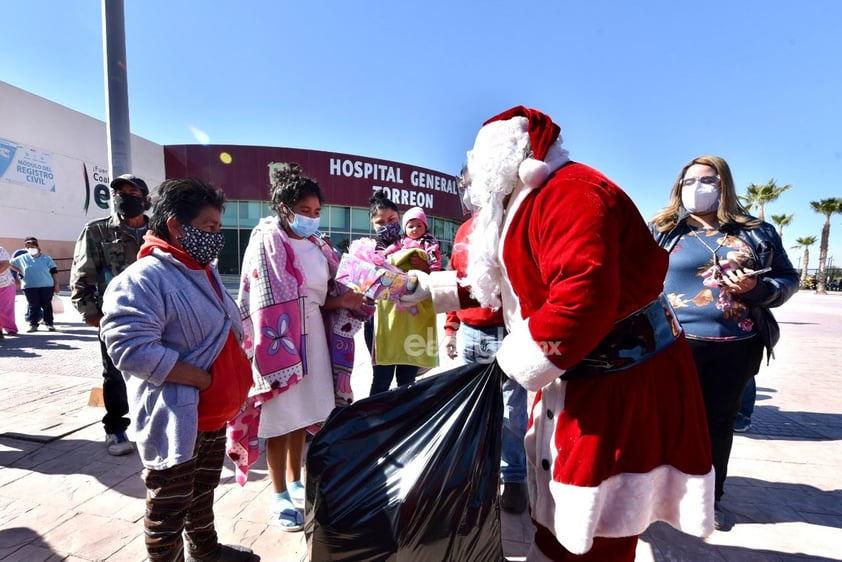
pixel 410 475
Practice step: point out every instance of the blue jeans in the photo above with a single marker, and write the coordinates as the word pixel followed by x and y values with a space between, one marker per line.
pixel 479 345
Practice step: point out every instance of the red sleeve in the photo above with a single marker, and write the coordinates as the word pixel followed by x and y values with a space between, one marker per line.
pixel 574 239
pixel 451 324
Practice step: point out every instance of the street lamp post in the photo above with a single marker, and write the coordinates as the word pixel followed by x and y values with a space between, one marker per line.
pixel 116 88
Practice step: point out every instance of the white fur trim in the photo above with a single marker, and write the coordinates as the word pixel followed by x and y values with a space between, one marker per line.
pixel 626 504
pixel 533 172
pixel 623 505
pixel 444 290
pixel 523 359
pixel 557 156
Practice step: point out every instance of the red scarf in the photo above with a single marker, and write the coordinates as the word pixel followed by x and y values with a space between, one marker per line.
pixel 230 371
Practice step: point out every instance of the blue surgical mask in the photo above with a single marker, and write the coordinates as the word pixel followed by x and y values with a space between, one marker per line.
pixel 304 226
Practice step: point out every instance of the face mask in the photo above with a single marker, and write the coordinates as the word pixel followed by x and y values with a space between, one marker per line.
pixel 129 206
pixel 32 251
pixel 700 198
pixel 389 233
pixel 304 226
pixel 204 247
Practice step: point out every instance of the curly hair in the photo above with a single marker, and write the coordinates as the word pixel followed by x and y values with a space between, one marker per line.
pixel 289 185
pixel 730 208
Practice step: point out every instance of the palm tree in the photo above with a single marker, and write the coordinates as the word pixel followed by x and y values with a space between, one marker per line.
pixel 826 207
pixel 761 194
pixel 805 243
pixel 782 221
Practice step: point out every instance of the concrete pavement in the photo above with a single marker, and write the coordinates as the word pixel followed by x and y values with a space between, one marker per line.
pixel 63 498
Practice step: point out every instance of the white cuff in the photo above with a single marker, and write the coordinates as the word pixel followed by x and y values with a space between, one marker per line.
pixel 525 360
pixel 444 288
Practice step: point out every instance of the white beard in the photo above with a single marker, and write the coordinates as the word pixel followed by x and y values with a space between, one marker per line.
pixel 493 164
pixel 484 274
pixel 495 169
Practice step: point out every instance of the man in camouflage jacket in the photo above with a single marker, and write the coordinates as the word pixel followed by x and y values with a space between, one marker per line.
pixel 104 249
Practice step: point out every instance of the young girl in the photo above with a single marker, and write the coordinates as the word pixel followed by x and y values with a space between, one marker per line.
pixel 285 286
pixel 417 235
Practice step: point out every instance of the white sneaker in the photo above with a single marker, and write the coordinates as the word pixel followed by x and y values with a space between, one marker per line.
pixel 118 444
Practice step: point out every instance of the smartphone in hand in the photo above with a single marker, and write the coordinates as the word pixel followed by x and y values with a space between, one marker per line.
pixel 757 272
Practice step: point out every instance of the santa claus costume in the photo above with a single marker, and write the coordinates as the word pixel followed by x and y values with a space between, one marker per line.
pixel 617 434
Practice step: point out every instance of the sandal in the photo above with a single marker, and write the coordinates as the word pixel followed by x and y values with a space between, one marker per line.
pixel 289 520
pixel 296 493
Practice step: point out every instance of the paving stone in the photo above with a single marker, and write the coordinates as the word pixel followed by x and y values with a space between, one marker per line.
pixel 62 497
pixel 96 537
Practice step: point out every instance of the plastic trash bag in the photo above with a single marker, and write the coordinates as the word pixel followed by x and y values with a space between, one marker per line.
pixel 410 475
pixel 58 305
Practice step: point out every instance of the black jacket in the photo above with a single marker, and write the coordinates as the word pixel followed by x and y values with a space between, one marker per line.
pixel 773 288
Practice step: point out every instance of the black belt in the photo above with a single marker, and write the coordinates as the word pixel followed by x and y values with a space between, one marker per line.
pixel 634 339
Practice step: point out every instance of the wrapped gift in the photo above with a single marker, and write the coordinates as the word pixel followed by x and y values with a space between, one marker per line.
pixel 369 272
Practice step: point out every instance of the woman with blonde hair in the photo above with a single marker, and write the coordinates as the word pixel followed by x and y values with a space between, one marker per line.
pixel 726 270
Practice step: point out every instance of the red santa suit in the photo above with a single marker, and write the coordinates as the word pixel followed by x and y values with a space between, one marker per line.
pixel 608 453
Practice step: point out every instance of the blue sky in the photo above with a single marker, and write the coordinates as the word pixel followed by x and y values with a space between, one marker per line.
pixel 639 88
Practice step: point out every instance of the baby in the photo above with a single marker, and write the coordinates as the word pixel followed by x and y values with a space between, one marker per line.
pixel 417 235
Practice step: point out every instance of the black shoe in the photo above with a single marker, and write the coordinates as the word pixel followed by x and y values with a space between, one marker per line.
pixel 515 497
pixel 720 518
pixel 32 328
pixel 226 553
pixel 742 424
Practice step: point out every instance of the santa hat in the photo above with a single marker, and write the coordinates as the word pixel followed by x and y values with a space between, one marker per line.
pixel 543 133
pixel 415 213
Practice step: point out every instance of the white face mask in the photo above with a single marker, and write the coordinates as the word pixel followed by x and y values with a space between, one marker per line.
pixel 700 198
pixel 32 251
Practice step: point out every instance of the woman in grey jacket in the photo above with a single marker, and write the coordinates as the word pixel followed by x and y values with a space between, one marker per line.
pixel 727 269
pixel 174 332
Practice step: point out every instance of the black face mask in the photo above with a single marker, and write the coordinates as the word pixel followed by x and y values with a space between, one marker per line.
pixel 129 206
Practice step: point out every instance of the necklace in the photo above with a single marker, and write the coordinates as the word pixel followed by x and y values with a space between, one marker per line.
pixel 712 250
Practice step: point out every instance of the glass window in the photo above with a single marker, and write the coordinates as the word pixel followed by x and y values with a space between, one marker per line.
pixel 229 258
pixel 229 215
pixel 339 218
pixel 360 220
pixel 340 241
pixel 250 213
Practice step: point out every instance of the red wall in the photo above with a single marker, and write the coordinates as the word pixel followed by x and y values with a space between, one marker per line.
pixel 243 173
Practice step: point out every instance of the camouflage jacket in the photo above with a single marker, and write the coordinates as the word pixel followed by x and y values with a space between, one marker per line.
pixel 104 249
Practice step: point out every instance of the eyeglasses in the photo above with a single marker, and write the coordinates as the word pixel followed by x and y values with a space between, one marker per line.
pixel 706 180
